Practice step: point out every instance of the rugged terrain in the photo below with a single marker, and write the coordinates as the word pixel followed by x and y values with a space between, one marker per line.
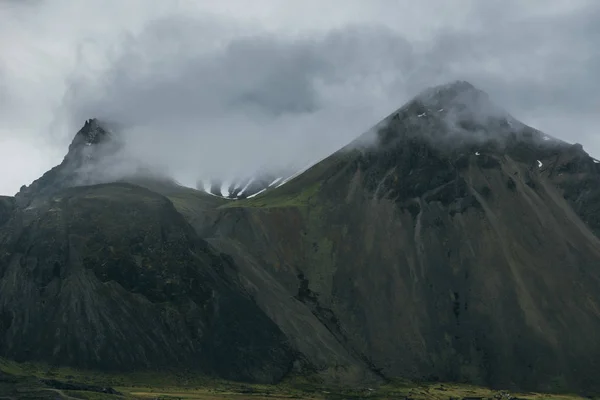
pixel 111 276
pixel 449 243
pixel 31 381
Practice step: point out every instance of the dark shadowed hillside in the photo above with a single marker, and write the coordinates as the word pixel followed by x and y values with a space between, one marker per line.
pixel 451 242
pixel 111 277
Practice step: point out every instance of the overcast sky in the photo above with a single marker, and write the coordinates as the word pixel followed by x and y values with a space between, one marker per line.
pixel 221 88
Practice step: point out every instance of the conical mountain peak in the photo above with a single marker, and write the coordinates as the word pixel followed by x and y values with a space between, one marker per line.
pixel 454 87
pixel 93 132
pixel 92 143
pixel 448 115
pixel 463 98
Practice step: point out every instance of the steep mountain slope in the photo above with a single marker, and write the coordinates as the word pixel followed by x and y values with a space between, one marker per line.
pixel 91 143
pixel 452 242
pixel 112 277
pixel 7 205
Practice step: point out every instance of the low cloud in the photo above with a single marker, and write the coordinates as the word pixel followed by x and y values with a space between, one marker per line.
pixel 211 91
pixel 255 103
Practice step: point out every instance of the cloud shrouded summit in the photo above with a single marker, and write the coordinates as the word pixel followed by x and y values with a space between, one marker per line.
pixel 219 91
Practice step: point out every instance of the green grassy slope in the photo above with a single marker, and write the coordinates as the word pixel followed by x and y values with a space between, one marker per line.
pixel 38 381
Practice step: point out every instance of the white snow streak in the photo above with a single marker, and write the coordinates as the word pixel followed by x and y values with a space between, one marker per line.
pixel 206 185
pixel 245 187
pixel 257 193
pixel 225 189
pixel 296 174
pixel 275 181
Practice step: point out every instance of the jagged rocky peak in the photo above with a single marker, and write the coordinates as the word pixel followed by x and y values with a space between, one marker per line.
pixel 93 132
pixel 91 144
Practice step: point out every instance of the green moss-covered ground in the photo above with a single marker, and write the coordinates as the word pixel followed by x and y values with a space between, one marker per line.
pixel 26 381
pixel 277 198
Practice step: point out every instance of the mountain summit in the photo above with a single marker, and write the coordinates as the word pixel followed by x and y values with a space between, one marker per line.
pixel 450 243
pixel 455 94
pixel 91 144
pixel 93 133
pixel 456 243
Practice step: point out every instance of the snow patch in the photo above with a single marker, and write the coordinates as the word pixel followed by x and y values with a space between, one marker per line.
pixel 257 193
pixel 245 187
pixel 296 174
pixel 477 153
pixel 422 115
pixel 211 193
pixel 225 189
pixel 539 164
pixel 596 161
pixel 275 181
pixel 440 110
pixel 551 138
pixel 206 185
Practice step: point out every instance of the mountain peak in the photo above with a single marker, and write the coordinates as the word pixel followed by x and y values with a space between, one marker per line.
pixel 93 132
pixel 91 143
pixel 448 117
pixel 454 87
pixel 454 103
pixel 460 96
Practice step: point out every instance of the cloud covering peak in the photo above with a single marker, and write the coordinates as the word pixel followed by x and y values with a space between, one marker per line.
pixel 224 90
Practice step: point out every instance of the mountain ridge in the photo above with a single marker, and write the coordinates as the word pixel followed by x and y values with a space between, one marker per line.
pixel 441 245
pixel 419 191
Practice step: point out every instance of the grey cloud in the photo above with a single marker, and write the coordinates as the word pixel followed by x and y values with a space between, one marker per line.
pixel 141 87
pixel 257 102
pixel 269 102
pixel 213 96
pixel 3 91
pixel 540 63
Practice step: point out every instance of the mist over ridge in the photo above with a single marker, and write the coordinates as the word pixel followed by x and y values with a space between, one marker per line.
pixel 229 91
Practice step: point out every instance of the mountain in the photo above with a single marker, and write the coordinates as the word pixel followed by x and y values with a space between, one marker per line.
pixel 92 143
pixel 111 277
pixel 451 242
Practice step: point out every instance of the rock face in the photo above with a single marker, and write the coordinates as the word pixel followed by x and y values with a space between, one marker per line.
pixel 451 242
pixel 90 144
pixel 111 277
pixel 7 205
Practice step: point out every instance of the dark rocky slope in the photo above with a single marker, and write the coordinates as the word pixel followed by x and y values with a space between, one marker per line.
pixel 451 242
pixel 457 245
pixel 112 277
pixel 7 205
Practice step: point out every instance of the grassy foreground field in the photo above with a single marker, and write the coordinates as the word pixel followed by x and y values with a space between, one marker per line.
pixel 34 381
